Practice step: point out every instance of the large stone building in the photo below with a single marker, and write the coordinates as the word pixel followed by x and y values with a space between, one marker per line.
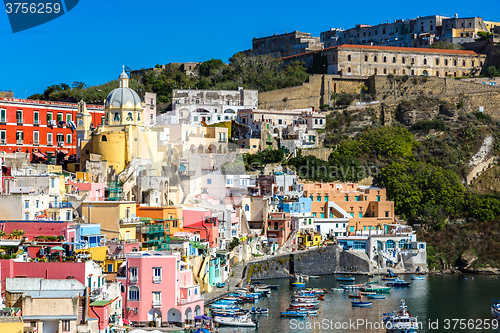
pixel 286 44
pixel 365 60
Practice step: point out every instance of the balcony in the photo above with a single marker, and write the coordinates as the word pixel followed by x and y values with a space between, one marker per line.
pixel 49 143
pixel 189 300
pixel 156 303
pixel 156 279
pixel 19 142
pixel 36 142
pixel 60 205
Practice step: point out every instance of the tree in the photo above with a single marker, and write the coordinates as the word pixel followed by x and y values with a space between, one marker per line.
pixel 210 67
pixel 492 71
pixel 446 45
pixel 483 35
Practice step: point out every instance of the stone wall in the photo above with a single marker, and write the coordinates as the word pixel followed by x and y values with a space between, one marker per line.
pixel 321 153
pixel 321 261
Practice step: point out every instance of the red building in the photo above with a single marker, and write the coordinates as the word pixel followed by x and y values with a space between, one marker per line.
pixel 41 127
pixel 200 221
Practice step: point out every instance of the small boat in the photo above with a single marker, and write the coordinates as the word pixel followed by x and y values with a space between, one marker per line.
pixel 241 321
pixel 376 296
pixel 351 287
pixel 345 278
pixel 495 309
pixel 221 285
pixel 259 311
pixel 401 321
pixel 388 278
pixel 303 305
pixel 377 289
pixel 293 314
pixel 338 289
pixel 418 277
pixel 306 311
pixel 298 284
pixel 301 301
pixel 372 282
pixel 399 283
pixel 367 293
pixel 361 304
pixel 314 277
pixel 371 275
pixel 318 290
pixel 355 296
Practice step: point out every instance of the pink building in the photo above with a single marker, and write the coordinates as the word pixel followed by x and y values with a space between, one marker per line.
pixel 36 228
pixel 94 191
pixel 159 287
pixel 200 221
pixel 101 310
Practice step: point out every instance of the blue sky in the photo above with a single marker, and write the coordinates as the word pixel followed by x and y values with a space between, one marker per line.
pixel 91 42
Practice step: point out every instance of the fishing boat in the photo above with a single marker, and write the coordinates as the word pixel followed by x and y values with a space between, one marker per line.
pixel 361 304
pixel 303 305
pixel 418 277
pixel 292 314
pixel 355 296
pixel 304 302
pixel 314 277
pixel 401 321
pixel 376 296
pixel 259 311
pixel 367 293
pixel 351 286
pixel 241 321
pixel 306 311
pixel 376 288
pixel 399 283
pixel 298 284
pixel 345 278
pixel 388 278
pixel 495 309
pixel 318 290
pixel 223 306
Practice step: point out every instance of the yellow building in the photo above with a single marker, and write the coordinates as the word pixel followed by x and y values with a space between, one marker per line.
pixel 308 238
pixel 117 218
pixel 12 324
pixel 98 253
pixel 123 137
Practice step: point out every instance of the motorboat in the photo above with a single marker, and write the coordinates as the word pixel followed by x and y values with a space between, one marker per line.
pixel 361 304
pixel 376 296
pixel 399 283
pixel 345 278
pixel 351 287
pixel 298 284
pixel 376 288
pixel 495 309
pixel 418 277
pixel 401 321
pixel 241 321
pixel 259 311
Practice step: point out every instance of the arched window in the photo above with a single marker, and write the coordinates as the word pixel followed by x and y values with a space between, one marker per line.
pixel 393 60
pixel 404 72
pixel 134 293
pixel 402 244
pixel 116 116
pixel 375 59
pixel 375 71
pixel 472 63
pixel 446 62
pixel 445 74
pixel 454 62
pixel 348 69
pixel 394 71
pixel 455 74
pixel 139 116
pixel 385 59
pixel 437 73
pixel 348 57
pixel 390 244
pixel 463 63
pixel 129 116
pixel 437 61
pixel 104 138
pixel 412 72
pixel 425 61
pixel 385 71
pixel 425 73
pixel 366 58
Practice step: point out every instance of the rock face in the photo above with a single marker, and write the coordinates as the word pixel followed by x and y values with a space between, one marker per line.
pixel 467 258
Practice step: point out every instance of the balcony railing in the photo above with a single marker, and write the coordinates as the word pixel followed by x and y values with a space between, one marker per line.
pixel 19 142
pixel 156 304
pixel 189 300
pixel 156 279
pixel 60 205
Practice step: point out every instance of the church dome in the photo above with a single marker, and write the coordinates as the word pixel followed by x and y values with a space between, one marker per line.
pixel 123 97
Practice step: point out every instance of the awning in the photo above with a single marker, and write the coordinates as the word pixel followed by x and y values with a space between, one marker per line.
pixel 62 151
pixel 126 322
pixel 39 155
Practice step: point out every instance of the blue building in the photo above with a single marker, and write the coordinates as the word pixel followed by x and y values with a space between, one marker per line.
pixel 301 205
pixel 88 235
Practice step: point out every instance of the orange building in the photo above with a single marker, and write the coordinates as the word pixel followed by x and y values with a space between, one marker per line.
pixel 278 227
pixel 171 216
pixel 366 207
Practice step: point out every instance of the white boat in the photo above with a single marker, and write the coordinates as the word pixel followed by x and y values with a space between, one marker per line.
pixel 241 321
pixel 495 309
pixel 401 321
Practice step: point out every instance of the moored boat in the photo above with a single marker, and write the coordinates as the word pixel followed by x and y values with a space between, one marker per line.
pixel 355 296
pixel 340 278
pixel 241 321
pixel 376 288
pixel 351 287
pixel 376 296
pixel 399 283
pixel 418 277
pixel 259 311
pixel 401 321
pixel 298 284
pixel 292 314
pixel 495 309
pixel 361 304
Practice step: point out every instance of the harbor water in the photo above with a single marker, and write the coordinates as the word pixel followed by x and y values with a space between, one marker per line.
pixel 444 303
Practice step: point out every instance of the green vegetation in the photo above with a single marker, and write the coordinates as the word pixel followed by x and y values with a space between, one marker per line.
pixel 250 72
pixel 260 159
pixel 446 45
pixel 492 71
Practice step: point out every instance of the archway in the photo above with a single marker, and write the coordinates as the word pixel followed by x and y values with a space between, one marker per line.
pixel 188 315
pixel 197 311
pixel 155 315
pixel 174 316
pixel 212 148
pixel 200 149
pixel 390 244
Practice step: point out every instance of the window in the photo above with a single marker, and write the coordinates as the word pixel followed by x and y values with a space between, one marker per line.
pixel 2 136
pixel 437 61
pixel 385 59
pixel 247 208
pixel 352 214
pixel 393 60
pixel 68 117
pixel 37 204
pixel 36 119
pixel 326 198
pixel 52 182
pixel 229 181
pixel 3 115
pixel 19 116
pixel 209 181
pixel 386 214
pixel 49 117
pixel 360 215
pixel 133 273
pixel 463 63
pixel 68 138
pixel 110 268
pixel 318 198
pixel 346 198
pixel 133 293
pixel 19 137
pixel 366 58
pixel 403 60
pixel 35 137
pixel 49 139
pixel 378 197
pixel 156 298
pixel 156 274
pixel 65 325
pixel 60 137
pixel 26 204
pixel 68 216
pixel 129 117
pixel 348 57
pixel 280 121
pixel 425 61
pixel 116 117
pixel 59 117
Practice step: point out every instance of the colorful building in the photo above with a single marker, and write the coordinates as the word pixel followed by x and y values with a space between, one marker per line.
pixel 170 216
pixel 200 221
pixel 42 128
pixel 365 208
pixel 308 238
pixel 159 288
pixel 278 228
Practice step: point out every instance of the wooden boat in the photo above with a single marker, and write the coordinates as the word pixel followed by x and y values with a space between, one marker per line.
pixel 367 293
pixel 376 296
pixel 345 278
pixel 399 283
pixel 259 311
pixel 303 305
pixel 377 289
pixel 388 278
pixel 241 321
pixel 298 284
pixel 318 290
pixel 292 314
pixel 361 304
pixel 301 301
pixel 355 296
pixel 418 277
